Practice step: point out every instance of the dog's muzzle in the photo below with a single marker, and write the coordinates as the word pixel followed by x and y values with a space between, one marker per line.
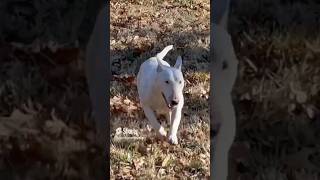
pixel 169 105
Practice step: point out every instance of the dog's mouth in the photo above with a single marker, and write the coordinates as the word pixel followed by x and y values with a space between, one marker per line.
pixel 165 99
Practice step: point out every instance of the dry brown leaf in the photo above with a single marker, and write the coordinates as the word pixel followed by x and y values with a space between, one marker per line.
pixel 69 144
pixel 138 163
pixel 165 161
pixel 18 122
pixel 127 79
pixel 123 105
pixel 291 107
pixel 143 150
pixel 301 97
pixel 55 127
pixel 310 111
pixel 300 160
pixel 161 172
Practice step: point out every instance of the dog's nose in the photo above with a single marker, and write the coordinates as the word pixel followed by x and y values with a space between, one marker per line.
pixel 174 102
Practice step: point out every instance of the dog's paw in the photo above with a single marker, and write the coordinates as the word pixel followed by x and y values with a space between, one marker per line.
pixel 162 132
pixel 173 139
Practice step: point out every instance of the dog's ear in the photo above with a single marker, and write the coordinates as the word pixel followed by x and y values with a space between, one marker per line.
pixel 160 67
pixel 178 63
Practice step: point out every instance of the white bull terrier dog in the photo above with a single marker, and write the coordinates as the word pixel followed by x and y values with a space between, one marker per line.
pixel 225 65
pixel 223 114
pixel 97 75
pixel 160 89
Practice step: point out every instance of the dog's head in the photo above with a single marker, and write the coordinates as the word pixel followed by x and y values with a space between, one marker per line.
pixel 171 83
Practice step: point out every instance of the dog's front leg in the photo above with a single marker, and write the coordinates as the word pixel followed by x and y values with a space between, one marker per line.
pixel 168 117
pixel 151 116
pixel 224 111
pixel 175 122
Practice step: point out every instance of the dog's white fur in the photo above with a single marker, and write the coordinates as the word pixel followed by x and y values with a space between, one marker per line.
pixel 224 75
pixel 96 71
pixel 160 89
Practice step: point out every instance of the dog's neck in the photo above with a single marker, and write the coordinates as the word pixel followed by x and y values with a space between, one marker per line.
pixel 156 88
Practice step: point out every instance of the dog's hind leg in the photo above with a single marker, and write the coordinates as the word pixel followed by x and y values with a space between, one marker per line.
pixel 223 112
pixel 151 116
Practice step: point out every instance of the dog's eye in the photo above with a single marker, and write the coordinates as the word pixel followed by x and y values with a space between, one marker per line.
pixel 224 65
pixel 167 82
pixel 180 82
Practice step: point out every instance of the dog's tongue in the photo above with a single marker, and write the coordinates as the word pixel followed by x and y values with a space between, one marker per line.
pixel 168 104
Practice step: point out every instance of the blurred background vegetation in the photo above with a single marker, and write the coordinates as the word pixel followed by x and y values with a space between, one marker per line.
pixel 277 92
pixel 45 126
pixel 61 21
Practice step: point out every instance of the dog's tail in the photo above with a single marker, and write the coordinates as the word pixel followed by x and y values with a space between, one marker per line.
pixel 163 53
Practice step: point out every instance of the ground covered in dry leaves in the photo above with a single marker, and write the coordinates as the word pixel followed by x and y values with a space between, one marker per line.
pixel 139 30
